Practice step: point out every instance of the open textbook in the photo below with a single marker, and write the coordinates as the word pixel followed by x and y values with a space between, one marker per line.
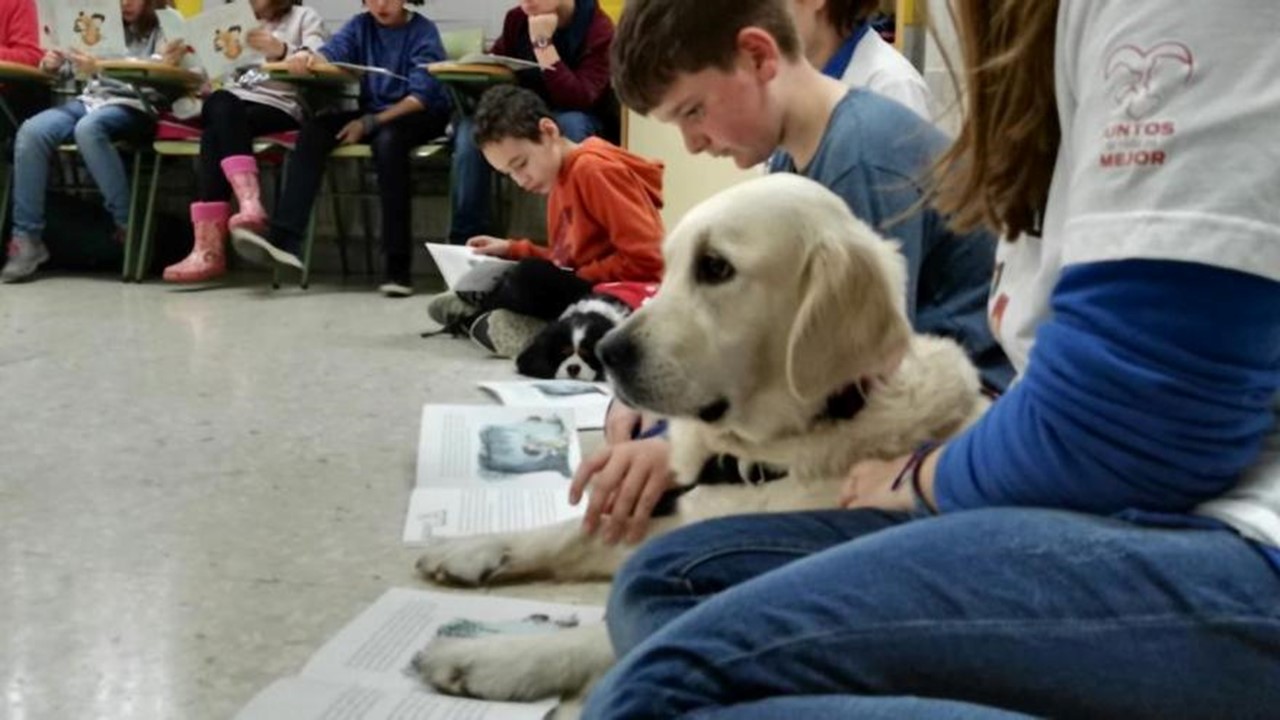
pixel 465 270
pixel 485 469
pixel 589 400
pixel 218 36
pixel 363 672
pixel 488 59
pixel 94 27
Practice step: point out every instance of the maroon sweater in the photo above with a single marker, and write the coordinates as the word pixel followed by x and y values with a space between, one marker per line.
pixel 580 81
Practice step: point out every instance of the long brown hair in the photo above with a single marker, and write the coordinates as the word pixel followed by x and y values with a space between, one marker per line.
pixel 998 171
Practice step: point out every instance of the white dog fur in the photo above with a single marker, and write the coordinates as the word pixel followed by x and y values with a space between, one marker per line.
pixel 814 305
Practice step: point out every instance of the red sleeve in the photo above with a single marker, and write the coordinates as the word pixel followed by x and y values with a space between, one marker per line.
pixel 623 207
pixel 21 40
pixel 581 87
pixel 521 249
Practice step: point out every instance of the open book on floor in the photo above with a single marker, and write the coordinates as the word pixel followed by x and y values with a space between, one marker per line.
pixel 465 270
pixel 486 469
pixel 588 400
pixel 364 670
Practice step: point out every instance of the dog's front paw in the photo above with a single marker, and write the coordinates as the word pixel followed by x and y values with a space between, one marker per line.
pixel 466 561
pixel 478 668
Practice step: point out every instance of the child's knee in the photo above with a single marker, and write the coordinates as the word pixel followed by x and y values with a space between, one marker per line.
pixel 89 129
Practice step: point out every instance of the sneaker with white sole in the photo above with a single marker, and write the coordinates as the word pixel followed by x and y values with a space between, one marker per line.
pixel 25 256
pixel 256 249
pixel 394 289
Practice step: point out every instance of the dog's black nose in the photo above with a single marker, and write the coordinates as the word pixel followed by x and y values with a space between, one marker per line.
pixel 617 352
pixel 574 370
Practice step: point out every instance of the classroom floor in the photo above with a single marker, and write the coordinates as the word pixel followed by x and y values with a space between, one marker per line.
pixel 198 487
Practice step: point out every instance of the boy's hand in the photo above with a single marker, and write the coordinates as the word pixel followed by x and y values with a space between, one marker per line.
pixel 263 41
pixel 351 133
pixel 623 423
pixel 85 64
pixel 542 26
pixel 488 245
pixel 300 62
pixel 627 481
pixel 51 61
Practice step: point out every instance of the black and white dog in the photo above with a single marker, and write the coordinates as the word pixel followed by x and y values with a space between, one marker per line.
pixel 566 349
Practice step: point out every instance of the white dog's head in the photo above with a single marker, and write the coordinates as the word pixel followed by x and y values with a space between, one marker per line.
pixel 775 298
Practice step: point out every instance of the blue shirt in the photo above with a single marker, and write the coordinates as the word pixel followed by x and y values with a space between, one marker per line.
pixel 876 154
pixel 402 50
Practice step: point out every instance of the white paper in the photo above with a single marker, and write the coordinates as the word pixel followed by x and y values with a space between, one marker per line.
pixel 465 270
pixel 589 401
pixel 367 69
pixel 484 469
pixel 363 673
pixel 47 16
pixel 95 27
pixel 297 698
pixel 220 38
pixel 375 648
pixel 488 59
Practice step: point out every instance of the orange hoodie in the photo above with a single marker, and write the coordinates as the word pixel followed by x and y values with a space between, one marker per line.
pixel 602 216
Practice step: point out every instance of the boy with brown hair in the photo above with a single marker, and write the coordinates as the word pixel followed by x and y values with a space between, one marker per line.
pixel 732 76
pixel 603 222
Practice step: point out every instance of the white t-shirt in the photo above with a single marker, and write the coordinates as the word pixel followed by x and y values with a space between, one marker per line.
pixel 879 67
pixel 1170 115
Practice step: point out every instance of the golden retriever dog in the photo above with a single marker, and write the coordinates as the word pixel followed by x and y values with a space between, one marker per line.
pixel 778 337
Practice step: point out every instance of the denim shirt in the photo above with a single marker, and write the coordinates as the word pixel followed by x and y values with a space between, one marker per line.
pixel 876 154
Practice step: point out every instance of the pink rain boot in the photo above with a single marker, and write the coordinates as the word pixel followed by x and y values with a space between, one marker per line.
pixel 208 258
pixel 242 173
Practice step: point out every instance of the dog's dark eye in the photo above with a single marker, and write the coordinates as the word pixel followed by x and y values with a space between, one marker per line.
pixel 566 351
pixel 713 270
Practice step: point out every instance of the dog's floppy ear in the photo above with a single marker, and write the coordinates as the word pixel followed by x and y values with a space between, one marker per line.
pixel 850 323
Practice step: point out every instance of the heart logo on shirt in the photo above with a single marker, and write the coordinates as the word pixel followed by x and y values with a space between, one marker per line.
pixel 1141 80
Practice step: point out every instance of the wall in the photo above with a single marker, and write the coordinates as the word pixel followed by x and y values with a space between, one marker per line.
pixel 688 179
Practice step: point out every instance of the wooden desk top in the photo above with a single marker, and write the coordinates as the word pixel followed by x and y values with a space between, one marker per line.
pixel 150 70
pixel 17 71
pixel 477 71
pixel 321 73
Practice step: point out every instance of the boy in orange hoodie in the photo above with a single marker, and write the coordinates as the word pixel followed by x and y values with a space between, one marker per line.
pixel 603 222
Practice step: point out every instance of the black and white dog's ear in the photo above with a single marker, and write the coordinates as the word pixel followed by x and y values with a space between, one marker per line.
pixel 541 359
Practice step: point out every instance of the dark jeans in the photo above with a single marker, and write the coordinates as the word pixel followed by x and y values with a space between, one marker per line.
pixel 391 144
pixel 229 127
pixel 472 177
pixel 538 288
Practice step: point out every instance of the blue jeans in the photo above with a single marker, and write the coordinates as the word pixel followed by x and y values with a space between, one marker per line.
pixel 473 178
pixel 972 615
pixel 94 132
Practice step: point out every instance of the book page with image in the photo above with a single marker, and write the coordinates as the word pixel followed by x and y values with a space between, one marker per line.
pixel 484 469
pixel 363 672
pixel 376 648
pixel 589 400
pixel 220 38
pixel 94 27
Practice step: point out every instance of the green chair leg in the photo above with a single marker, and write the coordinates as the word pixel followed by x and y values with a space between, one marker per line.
pixel 308 244
pixel 339 223
pixel 130 232
pixel 144 254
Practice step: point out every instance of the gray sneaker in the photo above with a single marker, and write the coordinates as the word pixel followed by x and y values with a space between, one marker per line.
pixel 450 310
pixel 505 333
pixel 258 250
pixel 25 255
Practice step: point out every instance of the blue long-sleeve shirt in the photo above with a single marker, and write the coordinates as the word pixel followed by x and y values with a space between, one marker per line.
pixel 402 50
pixel 1149 389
